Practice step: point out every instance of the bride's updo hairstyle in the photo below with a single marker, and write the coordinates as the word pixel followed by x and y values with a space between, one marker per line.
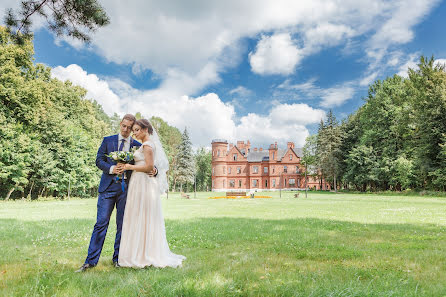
pixel 145 124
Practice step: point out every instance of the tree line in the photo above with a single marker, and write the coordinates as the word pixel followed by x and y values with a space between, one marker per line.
pixel 50 133
pixel 395 141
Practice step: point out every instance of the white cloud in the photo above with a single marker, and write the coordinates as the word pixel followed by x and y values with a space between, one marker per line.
pixel 330 97
pixel 98 90
pixel 440 61
pixel 275 54
pixel 285 122
pixel 336 96
pixel 365 81
pixel 301 114
pixel 206 117
pixel 241 91
pixel 397 28
pixel 412 63
pixel 187 44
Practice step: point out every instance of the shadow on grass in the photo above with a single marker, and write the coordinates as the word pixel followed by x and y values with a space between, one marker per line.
pixel 232 257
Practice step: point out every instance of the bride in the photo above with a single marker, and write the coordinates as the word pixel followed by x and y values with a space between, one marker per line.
pixel 143 239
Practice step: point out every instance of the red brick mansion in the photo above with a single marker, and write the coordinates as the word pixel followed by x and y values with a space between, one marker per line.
pixel 240 168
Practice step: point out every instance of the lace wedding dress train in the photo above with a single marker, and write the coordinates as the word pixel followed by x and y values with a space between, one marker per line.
pixel 143 239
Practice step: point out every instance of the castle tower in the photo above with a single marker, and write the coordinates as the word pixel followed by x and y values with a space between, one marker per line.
pixel 219 172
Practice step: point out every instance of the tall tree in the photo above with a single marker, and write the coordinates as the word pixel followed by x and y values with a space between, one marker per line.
pixel 49 131
pixel 73 18
pixel 329 143
pixel 186 161
pixel 427 91
pixel 203 161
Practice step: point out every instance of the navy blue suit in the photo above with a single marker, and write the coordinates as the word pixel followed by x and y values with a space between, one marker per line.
pixel 110 194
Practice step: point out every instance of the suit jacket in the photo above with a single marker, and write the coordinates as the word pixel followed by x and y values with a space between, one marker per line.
pixel 109 144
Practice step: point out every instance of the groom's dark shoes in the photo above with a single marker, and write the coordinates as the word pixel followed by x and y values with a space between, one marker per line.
pixel 84 267
pixel 116 264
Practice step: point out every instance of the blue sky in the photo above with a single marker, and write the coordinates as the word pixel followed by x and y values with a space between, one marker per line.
pixel 260 70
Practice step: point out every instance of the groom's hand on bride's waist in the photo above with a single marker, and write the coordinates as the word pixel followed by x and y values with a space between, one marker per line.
pixel 154 172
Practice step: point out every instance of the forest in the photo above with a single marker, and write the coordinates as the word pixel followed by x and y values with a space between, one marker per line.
pixel 395 141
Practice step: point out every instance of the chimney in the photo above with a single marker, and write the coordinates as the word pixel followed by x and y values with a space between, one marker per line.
pixel 255 149
pixel 248 145
pixel 290 145
pixel 261 149
pixel 275 144
pixel 231 146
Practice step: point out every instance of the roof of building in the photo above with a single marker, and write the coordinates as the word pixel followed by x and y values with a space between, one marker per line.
pixel 257 156
pixel 260 156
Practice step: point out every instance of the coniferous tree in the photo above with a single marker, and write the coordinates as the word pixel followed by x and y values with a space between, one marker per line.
pixel 74 18
pixel 329 144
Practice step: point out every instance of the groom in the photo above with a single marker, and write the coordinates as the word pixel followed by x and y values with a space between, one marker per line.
pixel 111 193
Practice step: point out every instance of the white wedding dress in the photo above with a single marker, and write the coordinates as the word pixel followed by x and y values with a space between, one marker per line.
pixel 143 239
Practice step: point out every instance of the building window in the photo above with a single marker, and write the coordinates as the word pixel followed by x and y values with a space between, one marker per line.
pixel 274 183
pixel 298 183
pixel 273 169
pixel 239 169
pixel 235 157
pixel 254 183
pixel 291 182
pixel 265 169
pixel 285 169
pixel 213 153
pixel 255 169
pixel 291 157
pixel 232 183
pixel 224 170
pixel 284 182
pixel 229 170
pixel 266 183
pixel 273 155
pixel 239 183
pixel 297 169
pixel 218 153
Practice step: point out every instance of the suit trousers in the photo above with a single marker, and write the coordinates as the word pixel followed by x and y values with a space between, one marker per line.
pixel 113 196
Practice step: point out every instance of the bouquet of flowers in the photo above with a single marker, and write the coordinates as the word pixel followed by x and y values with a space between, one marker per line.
pixel 121 157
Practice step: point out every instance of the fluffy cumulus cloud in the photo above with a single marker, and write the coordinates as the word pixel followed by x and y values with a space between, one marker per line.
pixel 206 117
pixel 97 89
pixel 275 55
pixel 285 122
pixel 188 44
pixel 195 41
pixel 336 96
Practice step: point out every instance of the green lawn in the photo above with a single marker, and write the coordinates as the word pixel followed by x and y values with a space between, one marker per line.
pixel 325 245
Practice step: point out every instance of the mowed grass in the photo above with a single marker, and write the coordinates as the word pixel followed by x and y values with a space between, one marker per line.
pixel 325 245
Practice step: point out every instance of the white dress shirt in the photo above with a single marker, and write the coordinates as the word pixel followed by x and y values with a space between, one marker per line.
pixel 126 148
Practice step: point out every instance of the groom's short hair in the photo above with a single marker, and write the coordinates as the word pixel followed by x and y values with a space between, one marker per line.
pixel 129 117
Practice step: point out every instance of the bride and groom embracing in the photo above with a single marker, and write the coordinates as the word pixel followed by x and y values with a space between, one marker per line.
pixel 141 234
